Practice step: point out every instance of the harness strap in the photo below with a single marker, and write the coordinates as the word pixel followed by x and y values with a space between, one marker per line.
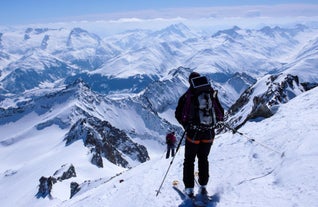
pixel 199 141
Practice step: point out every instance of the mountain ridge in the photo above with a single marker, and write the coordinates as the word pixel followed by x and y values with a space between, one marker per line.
pixel 105 107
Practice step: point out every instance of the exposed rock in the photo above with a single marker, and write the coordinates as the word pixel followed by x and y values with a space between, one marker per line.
pixel 45 187
pixel 10 172
pixel 67 171
pixel 97 159
pixel 259 102
pixel 75 187
pixel 308 86
pixel 259 109
pixel 106 141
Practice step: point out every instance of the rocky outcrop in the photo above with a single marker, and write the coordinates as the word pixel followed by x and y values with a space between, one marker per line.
pixel 260 109
pixel 106 141
pixel 45 187
pixel 66 171
pixel 262 99
pixel 75 188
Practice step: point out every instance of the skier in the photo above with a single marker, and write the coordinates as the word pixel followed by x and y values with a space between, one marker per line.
pixel 199 138
pixel 171 144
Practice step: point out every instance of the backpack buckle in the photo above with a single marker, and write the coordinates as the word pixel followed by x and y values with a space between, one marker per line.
pixel 201 127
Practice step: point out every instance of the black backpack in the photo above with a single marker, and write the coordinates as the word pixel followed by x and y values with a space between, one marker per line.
pixel 204 113
pixel 200 106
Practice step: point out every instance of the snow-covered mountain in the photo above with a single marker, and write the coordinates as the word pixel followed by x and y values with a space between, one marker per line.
pixel 262 99
pixel 237 166
pixel 82 113
pixel 144 56
pixel 86 113
pixel 305 64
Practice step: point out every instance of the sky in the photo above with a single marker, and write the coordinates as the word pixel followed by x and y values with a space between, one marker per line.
pixel 19 12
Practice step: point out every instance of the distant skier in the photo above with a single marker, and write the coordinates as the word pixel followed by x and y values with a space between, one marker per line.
pixel 171 144
pixel 198 111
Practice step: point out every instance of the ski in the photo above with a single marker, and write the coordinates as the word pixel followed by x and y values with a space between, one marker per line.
pixel 186 200
pixel 198 200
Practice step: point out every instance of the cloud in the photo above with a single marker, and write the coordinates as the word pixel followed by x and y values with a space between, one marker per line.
pixel 220 12
pixel 253 13
pixel 209 19
pixel 283 10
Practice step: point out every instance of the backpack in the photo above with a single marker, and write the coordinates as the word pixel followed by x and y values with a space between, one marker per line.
pixel 204 109
pixel 200 105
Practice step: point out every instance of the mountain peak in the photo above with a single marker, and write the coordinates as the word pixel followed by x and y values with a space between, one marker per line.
pixel 180 30
pixel 233 32
pixel 80 38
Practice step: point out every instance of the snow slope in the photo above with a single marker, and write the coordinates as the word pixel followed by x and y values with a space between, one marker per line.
pixel 244 173
pixel 305 66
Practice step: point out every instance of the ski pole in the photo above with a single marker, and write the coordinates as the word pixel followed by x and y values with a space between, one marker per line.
pixel 163 180
pixel 282 154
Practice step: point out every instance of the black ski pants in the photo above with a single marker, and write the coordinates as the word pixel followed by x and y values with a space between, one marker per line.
pixel 170 148
pixel 193 150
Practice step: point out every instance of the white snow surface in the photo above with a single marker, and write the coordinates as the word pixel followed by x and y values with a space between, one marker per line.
pixel 244 173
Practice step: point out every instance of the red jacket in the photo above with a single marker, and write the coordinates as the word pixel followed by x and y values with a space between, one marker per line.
pixel 170 138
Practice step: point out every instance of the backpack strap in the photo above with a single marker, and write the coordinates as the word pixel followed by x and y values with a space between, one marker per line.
pixel 186 111
pixel 218 109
